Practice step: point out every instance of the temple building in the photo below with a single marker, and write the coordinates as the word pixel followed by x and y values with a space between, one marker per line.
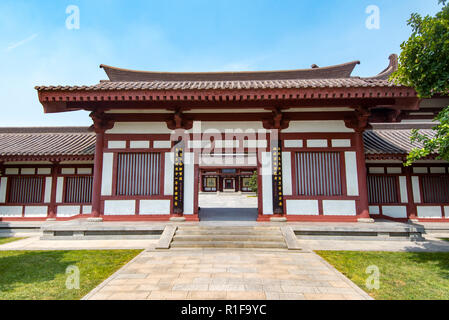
pixel 326 146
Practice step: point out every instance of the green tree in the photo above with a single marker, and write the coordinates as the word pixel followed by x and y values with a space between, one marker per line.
pixel 424 65
pixel 253 182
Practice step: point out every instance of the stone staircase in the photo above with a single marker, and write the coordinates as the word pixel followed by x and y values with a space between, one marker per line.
pixel 228 237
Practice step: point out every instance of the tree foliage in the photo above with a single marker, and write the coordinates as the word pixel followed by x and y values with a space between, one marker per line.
pixel 253 182
pixel 424 65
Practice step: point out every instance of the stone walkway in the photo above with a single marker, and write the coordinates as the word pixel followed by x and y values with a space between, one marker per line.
pixel 431 244
pixel 34 243
pixel 227 275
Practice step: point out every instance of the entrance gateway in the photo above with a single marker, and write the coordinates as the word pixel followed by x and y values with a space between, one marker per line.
pixel 161 138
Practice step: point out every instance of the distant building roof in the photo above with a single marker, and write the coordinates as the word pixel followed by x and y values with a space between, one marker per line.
pixel 393 139
pixel 46 143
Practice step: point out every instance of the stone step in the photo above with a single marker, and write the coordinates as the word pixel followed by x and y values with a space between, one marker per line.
pixel 245 237
pixel 225 233
pixel 228 244
pixel 240 228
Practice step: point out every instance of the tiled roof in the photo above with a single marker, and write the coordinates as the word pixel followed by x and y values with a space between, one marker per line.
pixel 353 82
pixel 391 141
pixel 338 76
pixel 46 141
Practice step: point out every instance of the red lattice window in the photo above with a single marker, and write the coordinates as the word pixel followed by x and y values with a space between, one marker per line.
pixel 382 189
pixel 318 174
pixel 26 190
pixel 78 190
pixel 138 174
pixel 435 189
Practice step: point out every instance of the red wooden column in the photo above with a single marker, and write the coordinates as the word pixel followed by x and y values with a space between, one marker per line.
pixel 411 206
pixel 363 209
pixel 359 123
pixel 54 181
pixel 101 124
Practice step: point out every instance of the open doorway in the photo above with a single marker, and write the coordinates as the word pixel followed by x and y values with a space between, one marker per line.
pixel 225 194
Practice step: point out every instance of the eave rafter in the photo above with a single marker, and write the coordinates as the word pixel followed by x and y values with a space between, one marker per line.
pixel 395 97
pixel 50 158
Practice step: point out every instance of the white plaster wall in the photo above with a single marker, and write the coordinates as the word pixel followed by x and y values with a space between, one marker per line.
pixel 3 184
pixel 68 211
pixel 395 211
pixel 339 207
pixel 446 211
pixel 197 144
pixel 420 170
pixel 374 210
pixel 318 126
pixel 87 209
pixel 11 211
pixel 227 144
pixel 12 170
pixel 429 212
pixel 302 207
pixel 36 211
pixel 108 165
pixel 416 190
pixel 84 171
pixel 317 143
pixel 403 189
pixel 437 170
pixel 28 171
pixel 120 207
pixel 47 192
pixel 68 170
pixel 394 170
pixel 227 160
pixel 287 173
pixel 255 143
pixel 43 171
pixel 293 143
pixel 341 143
pixel 376 170
pixel 222 126
pixel 168 173
pixel 59 189
pixel 116 144
pixel 267 183
pixel 139 144
pixel 139 128
pixel 162 144
pixel 352 183
pixel 189 184
pixel 149 207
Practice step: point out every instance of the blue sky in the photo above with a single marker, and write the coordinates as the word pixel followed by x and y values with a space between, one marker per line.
pixel 36 48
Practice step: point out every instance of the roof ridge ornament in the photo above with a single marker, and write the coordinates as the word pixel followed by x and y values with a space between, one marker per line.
pixel 388 71
pixel 339 71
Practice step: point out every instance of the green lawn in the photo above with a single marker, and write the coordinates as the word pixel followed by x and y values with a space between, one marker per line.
pixel 9 239
pixel 403 275
pixel 41 275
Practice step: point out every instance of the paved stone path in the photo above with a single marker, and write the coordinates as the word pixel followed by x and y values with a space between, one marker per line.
pixel 227 275
pixel 34 243
pixel 227 200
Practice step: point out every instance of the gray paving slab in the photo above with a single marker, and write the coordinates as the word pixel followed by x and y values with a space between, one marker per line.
pixel 236 274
